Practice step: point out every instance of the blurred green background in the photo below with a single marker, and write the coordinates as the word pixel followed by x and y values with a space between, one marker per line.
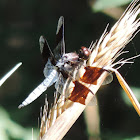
pixel 21 24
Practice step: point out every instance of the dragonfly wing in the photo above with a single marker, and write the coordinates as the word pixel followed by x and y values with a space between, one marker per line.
pixel 45 49
pixel 52 78
pixel 48 68
pixel 60 83
pixel 108 79
pixel 60 43
pixel 93 101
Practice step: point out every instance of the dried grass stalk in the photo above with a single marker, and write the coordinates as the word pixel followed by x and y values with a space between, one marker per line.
pixel 56 123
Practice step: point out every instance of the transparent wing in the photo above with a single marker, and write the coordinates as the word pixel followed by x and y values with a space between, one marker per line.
pixel 60 83
pixel 93 101
pixel 108 79
pixel 48 68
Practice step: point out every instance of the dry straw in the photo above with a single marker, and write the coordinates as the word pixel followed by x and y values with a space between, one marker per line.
pixel 56 122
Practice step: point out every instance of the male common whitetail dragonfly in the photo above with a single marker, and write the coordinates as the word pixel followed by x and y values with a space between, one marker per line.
pixel 60 65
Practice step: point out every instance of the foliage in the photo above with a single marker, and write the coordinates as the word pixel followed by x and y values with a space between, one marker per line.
pixel 10 129
pixel 100 5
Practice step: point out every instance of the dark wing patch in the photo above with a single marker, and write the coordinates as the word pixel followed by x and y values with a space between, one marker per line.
pixel 79 93
pixel 91 75
pixel 45 49
pixel 60 43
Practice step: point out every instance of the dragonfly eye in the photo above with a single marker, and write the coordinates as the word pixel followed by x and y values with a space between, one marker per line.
pixel 84 53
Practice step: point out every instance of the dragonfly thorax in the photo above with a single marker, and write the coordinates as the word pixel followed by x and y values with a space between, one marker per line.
pixel 67 61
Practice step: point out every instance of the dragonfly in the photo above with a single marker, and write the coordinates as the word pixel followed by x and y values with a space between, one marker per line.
pixel 60 65
pixel 57 63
